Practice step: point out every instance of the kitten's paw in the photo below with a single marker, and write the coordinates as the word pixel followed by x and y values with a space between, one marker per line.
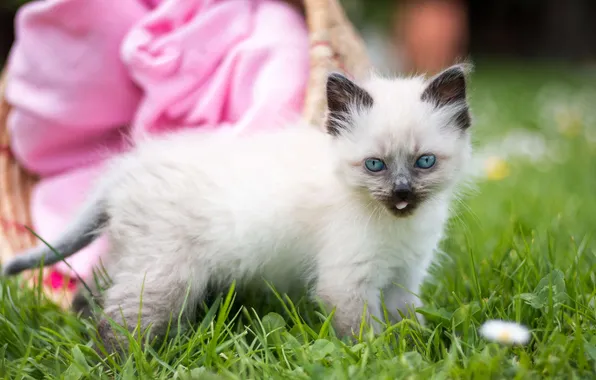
pixel 85 304
pixel 112 341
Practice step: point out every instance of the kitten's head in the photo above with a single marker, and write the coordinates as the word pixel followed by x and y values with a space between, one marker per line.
pixel 401 142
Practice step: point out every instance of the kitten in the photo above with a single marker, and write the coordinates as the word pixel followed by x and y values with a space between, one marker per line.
pixel 356 211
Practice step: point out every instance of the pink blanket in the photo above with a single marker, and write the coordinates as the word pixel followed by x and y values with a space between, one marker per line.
pixel 86 75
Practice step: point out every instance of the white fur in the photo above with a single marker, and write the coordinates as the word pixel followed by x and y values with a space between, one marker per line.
pixel 195 208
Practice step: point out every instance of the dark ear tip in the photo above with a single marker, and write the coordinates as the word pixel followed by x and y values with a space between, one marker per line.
pixel 335 77
pixel 463 69
pixel 448 86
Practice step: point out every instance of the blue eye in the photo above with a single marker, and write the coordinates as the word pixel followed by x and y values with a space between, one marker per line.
pixel 426 161
pixel 374 165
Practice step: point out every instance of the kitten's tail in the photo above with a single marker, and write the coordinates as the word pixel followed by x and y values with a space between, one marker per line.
pixel 83 230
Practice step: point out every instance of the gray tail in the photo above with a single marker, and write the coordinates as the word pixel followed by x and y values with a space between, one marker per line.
pixel 83 230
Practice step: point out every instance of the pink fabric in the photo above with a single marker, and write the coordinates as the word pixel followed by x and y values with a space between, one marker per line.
pixel 56 281
pixel 85 75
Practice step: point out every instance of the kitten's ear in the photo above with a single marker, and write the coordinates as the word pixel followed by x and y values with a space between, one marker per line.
pixel 343 96
pixel 448 88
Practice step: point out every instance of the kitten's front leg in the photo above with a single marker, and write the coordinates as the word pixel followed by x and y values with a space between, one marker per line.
pixel 397 298
pixel 348 293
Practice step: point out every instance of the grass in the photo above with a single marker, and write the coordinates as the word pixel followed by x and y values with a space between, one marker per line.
pixel 522 249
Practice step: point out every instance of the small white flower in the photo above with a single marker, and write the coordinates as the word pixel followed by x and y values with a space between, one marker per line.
pixel 505 332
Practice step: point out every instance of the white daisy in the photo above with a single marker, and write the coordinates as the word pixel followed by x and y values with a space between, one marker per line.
pixel 505 332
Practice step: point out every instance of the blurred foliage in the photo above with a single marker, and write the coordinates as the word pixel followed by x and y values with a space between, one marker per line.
pixel 370 12
pixel 11 5
pixel 362 12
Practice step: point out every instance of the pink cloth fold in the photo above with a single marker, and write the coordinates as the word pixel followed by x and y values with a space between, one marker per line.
pixel 86 75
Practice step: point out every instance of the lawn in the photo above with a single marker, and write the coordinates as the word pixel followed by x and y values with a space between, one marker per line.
pixel 521 248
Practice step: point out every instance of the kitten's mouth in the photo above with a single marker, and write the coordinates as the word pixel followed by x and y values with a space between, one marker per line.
pixel 401 205
pixel 401 208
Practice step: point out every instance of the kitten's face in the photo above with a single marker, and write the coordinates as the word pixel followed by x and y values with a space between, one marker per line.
pixel 401 142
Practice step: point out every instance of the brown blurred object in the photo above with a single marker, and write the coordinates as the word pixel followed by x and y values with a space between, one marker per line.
pixel 432 34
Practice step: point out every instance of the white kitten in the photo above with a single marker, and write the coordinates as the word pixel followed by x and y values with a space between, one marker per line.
pixel 356 211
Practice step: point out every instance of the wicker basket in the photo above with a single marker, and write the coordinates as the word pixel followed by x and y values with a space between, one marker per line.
pixel 335 45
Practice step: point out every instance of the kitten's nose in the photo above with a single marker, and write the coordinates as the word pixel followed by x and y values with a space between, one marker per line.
pixel 402 191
